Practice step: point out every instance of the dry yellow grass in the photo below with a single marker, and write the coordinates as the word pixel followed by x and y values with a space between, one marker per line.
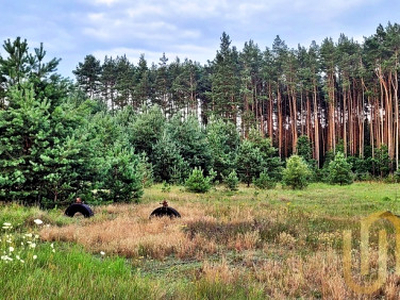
pixel 129 232
pixel 269 249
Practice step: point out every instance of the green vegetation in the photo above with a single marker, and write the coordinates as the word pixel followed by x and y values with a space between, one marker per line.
pixel 297 173
pixel 264 181
pixel 197 182
pixel 106 138
pixel 232 246
pixel 231 181
pixel 258 122
pixel 340 170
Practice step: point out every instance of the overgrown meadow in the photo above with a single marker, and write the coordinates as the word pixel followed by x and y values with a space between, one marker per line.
pixel 247 244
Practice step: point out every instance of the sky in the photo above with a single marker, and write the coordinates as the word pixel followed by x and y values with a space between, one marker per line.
pixel 72 29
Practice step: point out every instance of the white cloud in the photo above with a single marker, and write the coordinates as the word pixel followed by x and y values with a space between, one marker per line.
pixel 325 10
pixel 96 17
pixel 184 28
pixel 142 11
pixel 106 2
pixel 170 20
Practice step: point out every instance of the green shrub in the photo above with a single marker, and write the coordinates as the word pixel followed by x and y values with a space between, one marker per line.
pixel 197 182
pixel 264 182
pixel 166 187
pixel 231 181
pixel 340 170
pixel 390 179
pixel 396 176
pixel 145 168
pixel 297 173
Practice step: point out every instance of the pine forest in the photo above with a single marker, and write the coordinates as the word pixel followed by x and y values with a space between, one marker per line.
pixel 119 126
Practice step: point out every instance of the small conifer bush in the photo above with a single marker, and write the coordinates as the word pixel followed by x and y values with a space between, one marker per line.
pixel 264 182
pixel 197 182
pixel 232 181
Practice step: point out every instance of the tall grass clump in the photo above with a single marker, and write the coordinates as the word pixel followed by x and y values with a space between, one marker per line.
pixel 19 248
pixel 36 269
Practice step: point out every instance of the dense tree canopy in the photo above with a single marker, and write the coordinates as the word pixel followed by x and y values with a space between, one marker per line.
pixel 337 91
pixel 244 112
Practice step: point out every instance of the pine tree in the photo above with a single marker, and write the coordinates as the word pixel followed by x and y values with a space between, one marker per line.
pixel 168 163
pixel 124 82
pixel 162 86
pixel 146 130
pixel 143 84
pixel 225 81
pixel 21 66
pixel 304 148
pixel 231 181
pixel 223 141
pixel 121 176
pixel 264 181
pixel 108 81
pixel 340 170
pixel 382 161
pixel 16 67
pixel 329 58
pixel 249 161
pixel 197 182
pixel 250 73
pixel 271 162
pixel 43 153
pixel 190 140
pixel 297 173
pixel 88 75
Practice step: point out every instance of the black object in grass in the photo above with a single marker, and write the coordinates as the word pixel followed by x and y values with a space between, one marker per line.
pixel 74 208
pixel 165 210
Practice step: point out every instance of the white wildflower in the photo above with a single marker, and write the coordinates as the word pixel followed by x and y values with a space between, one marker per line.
pixel 38 221
pixel 28 234
pixel 32 245
pixel 54 250
pixel 34 257
pixel 52 245
pixel 36 236
pixel 7 225
pixel 11 249
pixel 102 253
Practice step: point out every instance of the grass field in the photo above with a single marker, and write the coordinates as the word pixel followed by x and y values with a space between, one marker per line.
pixel 249 244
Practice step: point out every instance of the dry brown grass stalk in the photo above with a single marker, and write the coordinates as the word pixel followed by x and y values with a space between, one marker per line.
pixel 265 246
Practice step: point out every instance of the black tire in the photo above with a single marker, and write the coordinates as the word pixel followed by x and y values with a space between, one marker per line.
pixel 85 210
pixel 165 211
